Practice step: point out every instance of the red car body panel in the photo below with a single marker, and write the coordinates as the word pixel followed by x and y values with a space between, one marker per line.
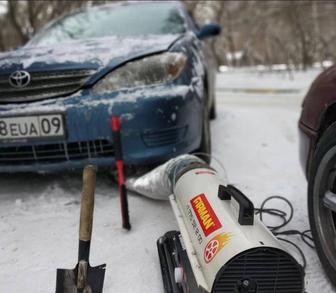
pixel 319 99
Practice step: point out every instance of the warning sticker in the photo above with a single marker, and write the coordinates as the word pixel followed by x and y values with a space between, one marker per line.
pixel 205 214
pixel 215 245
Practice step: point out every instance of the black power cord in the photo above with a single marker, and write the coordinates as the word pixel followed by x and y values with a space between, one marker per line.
pixel 286 219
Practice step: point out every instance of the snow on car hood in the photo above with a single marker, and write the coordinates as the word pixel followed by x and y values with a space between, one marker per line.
pixel 96 53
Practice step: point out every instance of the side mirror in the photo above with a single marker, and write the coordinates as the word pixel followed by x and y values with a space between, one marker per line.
pixel 209 30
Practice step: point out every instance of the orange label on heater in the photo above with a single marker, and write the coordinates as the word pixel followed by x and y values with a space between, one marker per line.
pixel 205 214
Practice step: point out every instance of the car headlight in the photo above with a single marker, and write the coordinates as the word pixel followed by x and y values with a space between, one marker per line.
pixel 150 70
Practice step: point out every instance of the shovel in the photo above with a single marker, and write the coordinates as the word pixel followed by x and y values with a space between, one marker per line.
pixel 83 278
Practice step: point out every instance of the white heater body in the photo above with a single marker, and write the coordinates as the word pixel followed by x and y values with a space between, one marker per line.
pixel 210 227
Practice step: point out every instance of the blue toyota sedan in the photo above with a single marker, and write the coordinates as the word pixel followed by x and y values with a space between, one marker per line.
pixel 143 62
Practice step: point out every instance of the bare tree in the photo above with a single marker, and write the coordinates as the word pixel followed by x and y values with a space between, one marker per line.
pixel 25 18
pixel 296 33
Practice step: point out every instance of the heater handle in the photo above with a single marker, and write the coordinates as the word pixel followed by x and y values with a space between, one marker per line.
pixel 246 208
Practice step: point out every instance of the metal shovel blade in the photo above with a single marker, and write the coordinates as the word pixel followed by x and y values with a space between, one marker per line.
pixel 83 278
pixel 66 280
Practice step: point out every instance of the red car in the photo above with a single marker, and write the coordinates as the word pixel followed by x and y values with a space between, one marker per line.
pixel 318 157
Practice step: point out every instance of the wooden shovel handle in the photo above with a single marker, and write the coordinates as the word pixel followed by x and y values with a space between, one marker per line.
pixel 87 204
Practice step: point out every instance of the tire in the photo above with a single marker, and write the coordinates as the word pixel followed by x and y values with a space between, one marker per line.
pixel 205 146
pixel 322 179
pixel 213 110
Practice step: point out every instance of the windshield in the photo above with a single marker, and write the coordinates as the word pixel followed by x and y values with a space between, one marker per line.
pixel 122 20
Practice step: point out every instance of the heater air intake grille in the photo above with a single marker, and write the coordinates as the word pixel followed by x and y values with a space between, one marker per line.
pixel 270 270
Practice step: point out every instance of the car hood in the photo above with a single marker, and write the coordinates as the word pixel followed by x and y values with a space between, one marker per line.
pixel 101 54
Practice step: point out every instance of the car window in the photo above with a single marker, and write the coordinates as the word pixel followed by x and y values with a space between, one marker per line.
pixel 122 20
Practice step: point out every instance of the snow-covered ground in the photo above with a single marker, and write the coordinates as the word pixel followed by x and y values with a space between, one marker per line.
pixel 249 80
pixel 254 136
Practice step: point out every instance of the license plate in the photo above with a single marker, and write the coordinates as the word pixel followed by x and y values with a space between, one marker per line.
pixel 29 127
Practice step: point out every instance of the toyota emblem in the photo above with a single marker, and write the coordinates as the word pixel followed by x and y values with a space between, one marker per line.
pixel 19 79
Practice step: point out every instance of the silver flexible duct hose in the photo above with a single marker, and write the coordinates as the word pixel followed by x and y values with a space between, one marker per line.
pixel 159 183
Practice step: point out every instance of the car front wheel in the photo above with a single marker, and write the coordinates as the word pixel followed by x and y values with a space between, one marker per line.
pixel 205 146
pixel 213 110
pixel 322 201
